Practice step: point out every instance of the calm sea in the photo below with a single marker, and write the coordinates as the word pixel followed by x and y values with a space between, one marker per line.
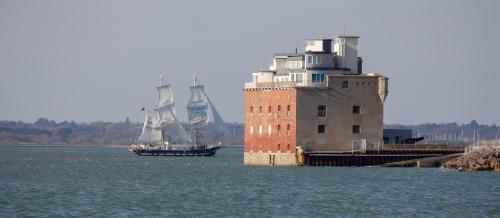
pixel 111 182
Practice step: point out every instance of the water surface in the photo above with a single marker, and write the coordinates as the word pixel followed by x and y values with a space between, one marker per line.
pixel 107 181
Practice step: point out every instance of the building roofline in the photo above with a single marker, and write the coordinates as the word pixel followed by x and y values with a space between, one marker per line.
pixel 346 36
pixel 322 39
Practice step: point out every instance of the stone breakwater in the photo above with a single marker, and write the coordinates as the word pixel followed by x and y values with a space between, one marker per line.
pixel 479 159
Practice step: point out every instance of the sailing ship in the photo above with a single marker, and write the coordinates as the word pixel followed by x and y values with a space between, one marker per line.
pixel 163 134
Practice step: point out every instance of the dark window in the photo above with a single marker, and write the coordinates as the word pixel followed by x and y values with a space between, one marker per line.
pixel 279 147
pixel 279 107
pixel 356 109
pixel 251 109
pixel 356 129
pixel 269 109
pixel 322 111
pixel 288 110
pixel 318 78
pixel 260 109
pixel 288 129
pixel 279 129
pixel 345 85
pixel 321 128
pixel 288 147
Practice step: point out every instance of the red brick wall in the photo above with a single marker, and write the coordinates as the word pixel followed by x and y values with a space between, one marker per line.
pixel 262 99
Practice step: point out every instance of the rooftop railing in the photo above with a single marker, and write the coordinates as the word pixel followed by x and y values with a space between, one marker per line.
pixel 252 85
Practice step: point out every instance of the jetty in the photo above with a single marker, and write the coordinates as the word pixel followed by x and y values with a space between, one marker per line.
pixel 394 155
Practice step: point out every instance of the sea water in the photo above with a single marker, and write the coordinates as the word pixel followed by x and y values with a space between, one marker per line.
pixel 112 182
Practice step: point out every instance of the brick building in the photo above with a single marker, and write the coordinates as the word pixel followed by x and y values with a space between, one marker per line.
pixel 316 101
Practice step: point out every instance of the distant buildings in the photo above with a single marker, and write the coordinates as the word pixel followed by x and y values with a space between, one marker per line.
pixel 316 101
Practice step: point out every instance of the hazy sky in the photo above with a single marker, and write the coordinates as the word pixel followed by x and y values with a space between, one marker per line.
pixel 100 60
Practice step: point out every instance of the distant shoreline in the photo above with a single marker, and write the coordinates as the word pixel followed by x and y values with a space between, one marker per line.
pixel 96 146
pixel 38 145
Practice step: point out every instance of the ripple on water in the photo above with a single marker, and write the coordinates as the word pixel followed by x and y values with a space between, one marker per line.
pixel 58 181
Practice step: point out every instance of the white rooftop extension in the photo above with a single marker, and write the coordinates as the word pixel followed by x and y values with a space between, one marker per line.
pixel 322 57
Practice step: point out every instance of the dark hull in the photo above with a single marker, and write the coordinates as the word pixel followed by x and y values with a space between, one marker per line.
pixel 189 152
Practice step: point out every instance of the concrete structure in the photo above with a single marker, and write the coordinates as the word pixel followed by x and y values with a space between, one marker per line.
pixel 316 101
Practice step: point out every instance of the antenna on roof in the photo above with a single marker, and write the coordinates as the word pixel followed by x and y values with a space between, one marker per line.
pixel 161 78
pixel 296 50
pixel 195 80
pixel 344 31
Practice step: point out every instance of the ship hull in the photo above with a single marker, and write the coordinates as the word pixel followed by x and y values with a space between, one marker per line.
pixel 207 151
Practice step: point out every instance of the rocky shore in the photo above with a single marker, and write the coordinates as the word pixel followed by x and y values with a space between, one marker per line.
pixel 478 159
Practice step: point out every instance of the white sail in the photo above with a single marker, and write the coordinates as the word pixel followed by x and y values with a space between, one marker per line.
pixel 165 115
pixel 168 121
pixel 198 105
pixel 165 96
pixel 150 133
pixel 165 111
pixel 219 123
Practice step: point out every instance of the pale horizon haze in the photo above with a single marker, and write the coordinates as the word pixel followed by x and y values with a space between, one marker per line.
pixel 101 60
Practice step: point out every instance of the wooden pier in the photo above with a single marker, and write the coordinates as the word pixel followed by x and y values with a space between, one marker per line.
pixel 387 154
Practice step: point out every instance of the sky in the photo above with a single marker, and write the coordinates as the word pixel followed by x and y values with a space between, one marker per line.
pixel 100 60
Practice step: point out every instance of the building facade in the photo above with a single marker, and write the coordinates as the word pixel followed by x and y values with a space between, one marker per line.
pixel 316 101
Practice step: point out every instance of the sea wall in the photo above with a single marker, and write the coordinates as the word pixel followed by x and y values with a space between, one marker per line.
pixel 270 159
pixel 478 158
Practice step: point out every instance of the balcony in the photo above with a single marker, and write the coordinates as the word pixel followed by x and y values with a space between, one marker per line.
pixel 253 85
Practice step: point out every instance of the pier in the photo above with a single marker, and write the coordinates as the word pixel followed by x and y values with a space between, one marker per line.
pixel 381 157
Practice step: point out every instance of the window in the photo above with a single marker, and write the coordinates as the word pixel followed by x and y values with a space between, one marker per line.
pixel 251 130
pixel 292 77
pixel 298 78
pixel 345 85
pixel 251 109
pixel 279 108
pixel 356 109
pixel 278 147
pixel 288 147
pixel 309 59
pixel 316 60
pixel 318 78
pixel 260 130
pixel 321 128
pixel 269 109
pixel 260 109
pixel 322 111
pixel 269 130
pixel 288 129
pixel 288 110
pixel 279 129
pixel 356 129
pixel 310 43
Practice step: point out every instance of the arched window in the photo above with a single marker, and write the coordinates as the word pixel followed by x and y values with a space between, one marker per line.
pixel 288 147
pixel 279 147
pixel 279 108
pixel 279 129
pixel 345 85
pixel 288 129
pixel 251 109
pixel 269 109
pixel 288 110
pixel 260 109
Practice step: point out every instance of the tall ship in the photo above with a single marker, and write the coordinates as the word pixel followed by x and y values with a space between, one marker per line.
pixel 162 133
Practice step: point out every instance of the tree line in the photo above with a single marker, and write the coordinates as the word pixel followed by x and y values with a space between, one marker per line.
pixel 44 131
